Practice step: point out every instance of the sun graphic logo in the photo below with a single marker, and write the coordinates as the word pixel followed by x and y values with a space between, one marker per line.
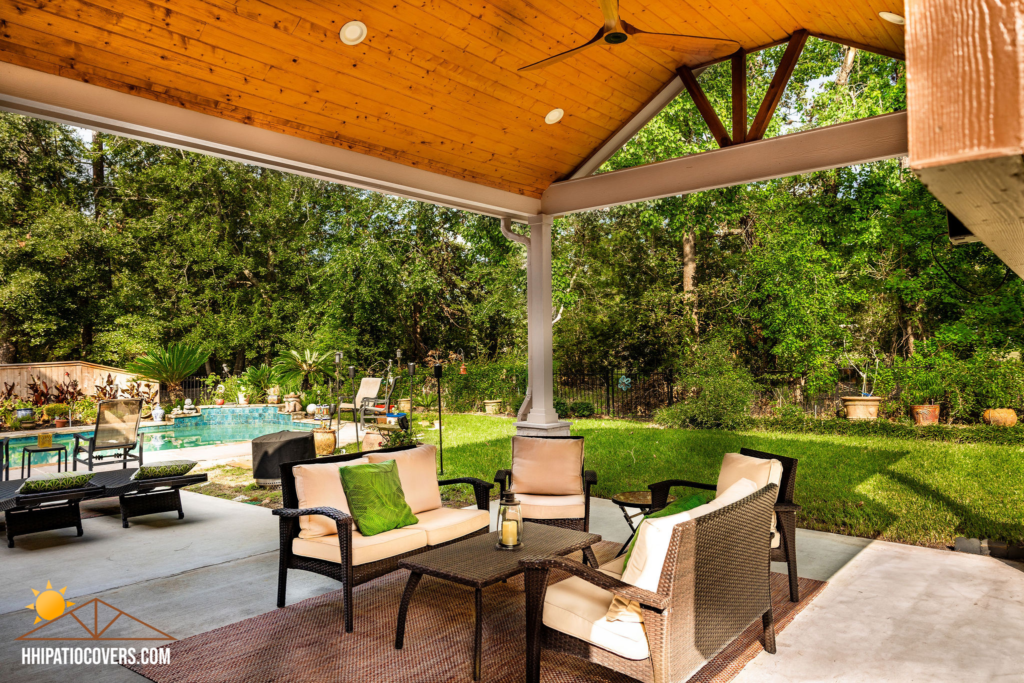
pixel 50 604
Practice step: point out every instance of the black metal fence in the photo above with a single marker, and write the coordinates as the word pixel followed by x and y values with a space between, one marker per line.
pixel 618 393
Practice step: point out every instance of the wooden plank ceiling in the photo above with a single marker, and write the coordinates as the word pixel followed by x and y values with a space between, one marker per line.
pixel 434 85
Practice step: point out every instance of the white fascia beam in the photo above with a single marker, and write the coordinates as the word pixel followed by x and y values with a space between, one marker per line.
pixel 845 144
pixel 63 100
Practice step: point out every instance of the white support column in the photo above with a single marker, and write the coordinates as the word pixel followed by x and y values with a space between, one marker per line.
pixel 542 419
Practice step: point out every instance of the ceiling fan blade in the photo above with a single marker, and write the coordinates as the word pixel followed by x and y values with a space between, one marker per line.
pixel 697 46
pixel 563 55
pixel 610 10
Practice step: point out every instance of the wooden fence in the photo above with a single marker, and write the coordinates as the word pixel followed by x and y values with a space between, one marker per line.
pixel 87 374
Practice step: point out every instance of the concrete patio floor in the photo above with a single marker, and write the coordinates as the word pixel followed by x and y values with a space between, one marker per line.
pixel 890 613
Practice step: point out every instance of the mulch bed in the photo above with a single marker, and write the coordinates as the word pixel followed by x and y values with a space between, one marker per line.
pixel 306 641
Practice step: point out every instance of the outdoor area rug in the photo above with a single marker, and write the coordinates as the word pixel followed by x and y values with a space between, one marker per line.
pixel 307 641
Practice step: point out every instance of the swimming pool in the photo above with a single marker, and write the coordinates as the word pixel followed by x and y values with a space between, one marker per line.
pixel 212 427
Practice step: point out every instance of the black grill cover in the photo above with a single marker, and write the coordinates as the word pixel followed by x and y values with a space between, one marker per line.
pixel 271 450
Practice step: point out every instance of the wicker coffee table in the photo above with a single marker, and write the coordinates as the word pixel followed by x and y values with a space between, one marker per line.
pixel 476 562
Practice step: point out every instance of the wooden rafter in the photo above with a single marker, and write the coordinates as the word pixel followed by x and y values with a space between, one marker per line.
pixel 739 97
pixel 778 85
pixel 704 106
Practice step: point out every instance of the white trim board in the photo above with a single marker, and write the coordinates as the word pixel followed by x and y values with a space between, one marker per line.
pixel 63 100
pixel 845 144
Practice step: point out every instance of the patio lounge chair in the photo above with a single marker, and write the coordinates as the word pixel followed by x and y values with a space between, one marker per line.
pixel 783 544
pixel 707 585
pixel 366 395
pixel 117 429
pixel 318 534
pixel 548 478
pixel 27 513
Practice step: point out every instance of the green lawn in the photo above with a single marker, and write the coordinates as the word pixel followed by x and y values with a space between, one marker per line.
pixel 915 492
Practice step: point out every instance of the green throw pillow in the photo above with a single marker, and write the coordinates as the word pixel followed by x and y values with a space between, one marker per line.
pixel 375 497
pixel 673 508
pixel 168 468
pixel 60 481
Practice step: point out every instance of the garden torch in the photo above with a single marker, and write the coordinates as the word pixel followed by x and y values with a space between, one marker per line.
pixel 440 435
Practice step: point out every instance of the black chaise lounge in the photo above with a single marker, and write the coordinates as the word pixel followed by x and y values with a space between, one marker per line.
pixel 33 512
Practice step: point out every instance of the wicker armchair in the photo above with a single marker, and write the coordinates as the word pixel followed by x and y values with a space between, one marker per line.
pixel 713 585
pixel 342 567
pixel 784 549
pixel 570 511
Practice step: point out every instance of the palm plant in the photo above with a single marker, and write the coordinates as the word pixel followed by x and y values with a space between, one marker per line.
pixel 304 368
pixel 170 366
pixel 258 379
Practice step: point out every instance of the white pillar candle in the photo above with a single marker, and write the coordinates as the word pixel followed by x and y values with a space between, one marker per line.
pixel 508 533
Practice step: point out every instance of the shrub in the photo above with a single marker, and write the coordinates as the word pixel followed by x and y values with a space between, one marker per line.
pixel 718 391
pixel 561 407
pixel 56 410
pixel 85 409
pixel 582 409
pixel 517 403
pixel 257 380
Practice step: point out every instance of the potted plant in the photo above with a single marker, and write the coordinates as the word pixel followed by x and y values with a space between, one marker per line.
pixel 23 409
pixel 922 390
pixel 58 412
pixel 219 401
pixel 865 406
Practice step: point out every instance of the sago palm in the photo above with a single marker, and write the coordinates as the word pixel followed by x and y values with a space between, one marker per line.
pixel 170 366
pixel 304 368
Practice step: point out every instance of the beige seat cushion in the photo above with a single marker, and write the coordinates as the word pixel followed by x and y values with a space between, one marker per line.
pixel 552 507
pixel 758 470
pixel 578 609
pixel 365 549
pixel 319 486
pixel 548 467
pixel 446 524
pixel 614 567
pixel 417 470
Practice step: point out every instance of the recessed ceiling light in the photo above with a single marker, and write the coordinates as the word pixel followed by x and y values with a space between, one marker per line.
pixel 353 33
pixel 893 18
pixel 554 116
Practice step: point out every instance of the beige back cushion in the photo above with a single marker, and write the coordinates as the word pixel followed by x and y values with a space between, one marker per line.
pixel 648 557
pixel 319 486
pixel 547 467
pixel 758 470
pixel 417 470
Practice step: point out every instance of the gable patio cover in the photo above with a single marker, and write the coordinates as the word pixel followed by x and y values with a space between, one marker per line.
pixel 432 105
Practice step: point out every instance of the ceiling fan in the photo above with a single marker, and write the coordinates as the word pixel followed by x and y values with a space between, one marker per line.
pixel 617 31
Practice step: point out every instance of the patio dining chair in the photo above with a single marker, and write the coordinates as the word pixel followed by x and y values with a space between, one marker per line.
pixel 366 395
pixel 117 430
pixel 548 478
pixel 369 408
pixel 763 468
pixel 702 579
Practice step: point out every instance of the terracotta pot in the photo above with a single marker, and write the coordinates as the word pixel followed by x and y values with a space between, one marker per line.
pixel 325 441
pixel 60 423
pixel 1000 417
pixel 372 442
pixel 925 415
pixel 861 407
pixel 273 399
pixel 219 402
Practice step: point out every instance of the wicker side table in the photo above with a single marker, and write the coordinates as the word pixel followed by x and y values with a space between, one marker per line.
pixel 477 563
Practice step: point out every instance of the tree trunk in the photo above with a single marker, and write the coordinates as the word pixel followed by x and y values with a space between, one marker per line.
pixel 847 67
pixel 689 275
pixel 98 172
pixel 239 362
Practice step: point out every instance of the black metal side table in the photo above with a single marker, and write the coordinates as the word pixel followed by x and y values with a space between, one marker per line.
pixel 641 500
pixel 28 451
pixel 5 459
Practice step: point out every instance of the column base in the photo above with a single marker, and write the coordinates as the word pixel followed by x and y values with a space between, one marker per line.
pixel 548 429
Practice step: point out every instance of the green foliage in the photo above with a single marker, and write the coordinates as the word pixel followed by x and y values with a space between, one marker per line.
pixel 967 434
pixel 582 409
pixel 503 379
pixel 232 387
pixel 719 390
pixel 304 369
pixel 257 380
pixel 398 438
pixel 321 394
pixel 209 394
pixel 170 365
pixel 85 409
pixel 561 407
pixel 56 410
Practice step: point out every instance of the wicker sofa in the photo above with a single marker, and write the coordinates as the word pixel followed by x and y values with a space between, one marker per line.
pixel 319 535
pixel 783 543
pixel 548 478
pixel 711 584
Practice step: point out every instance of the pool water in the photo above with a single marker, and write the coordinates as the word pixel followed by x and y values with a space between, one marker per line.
pixel 163 438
